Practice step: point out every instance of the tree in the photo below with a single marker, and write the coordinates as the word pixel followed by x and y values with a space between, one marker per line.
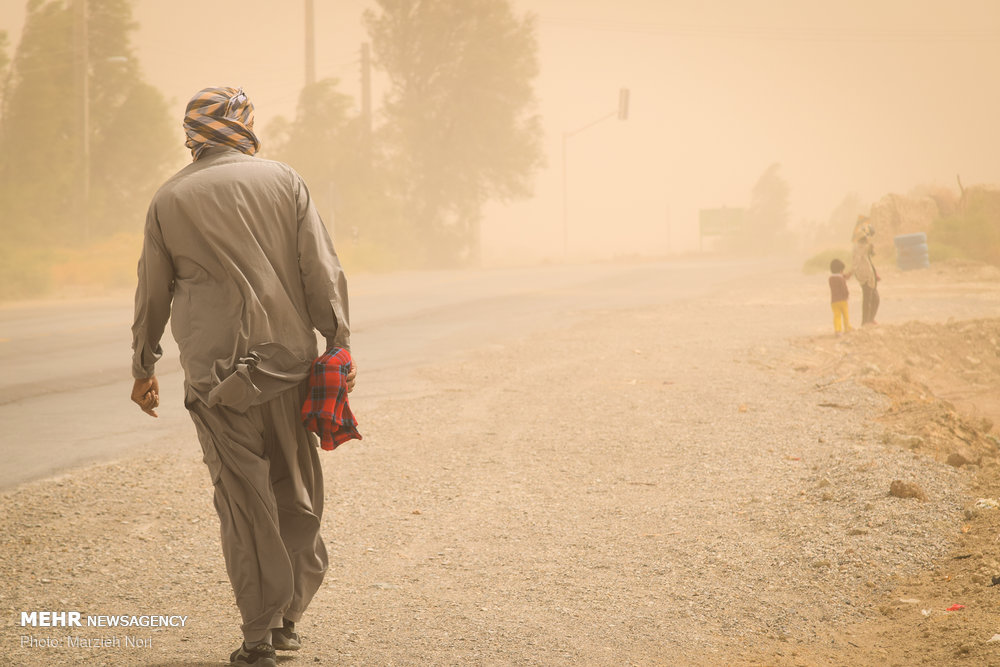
pixel 323 144
pixel 131 141
pixel 459 123
pixel 766 228
pixel 837 230
pixel 972 231
pixel 4 70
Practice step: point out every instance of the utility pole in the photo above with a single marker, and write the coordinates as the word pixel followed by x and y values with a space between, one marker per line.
pixel 310 45
pixel 622 113
pixel 83 79
pixel 670 248
pixel 366 93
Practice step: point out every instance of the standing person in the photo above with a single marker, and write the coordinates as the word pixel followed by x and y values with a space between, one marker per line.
pixel 864 270
pixel 838 297
pixel 235 244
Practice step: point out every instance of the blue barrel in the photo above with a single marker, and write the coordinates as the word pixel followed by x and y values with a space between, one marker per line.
pixel 904 240
pixel 911 251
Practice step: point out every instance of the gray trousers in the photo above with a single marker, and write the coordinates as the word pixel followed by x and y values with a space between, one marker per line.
pixel 269 496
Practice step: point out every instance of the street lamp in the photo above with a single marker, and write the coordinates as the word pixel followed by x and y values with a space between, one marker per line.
pixel 622 113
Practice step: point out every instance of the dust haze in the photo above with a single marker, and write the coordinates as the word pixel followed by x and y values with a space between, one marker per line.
pixel 858 99
pixel 612 440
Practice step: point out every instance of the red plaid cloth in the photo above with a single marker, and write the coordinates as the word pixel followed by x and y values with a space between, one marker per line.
pixel 326 411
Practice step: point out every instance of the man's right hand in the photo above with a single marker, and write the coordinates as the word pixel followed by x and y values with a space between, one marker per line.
pixel 352 376
pixel 146 394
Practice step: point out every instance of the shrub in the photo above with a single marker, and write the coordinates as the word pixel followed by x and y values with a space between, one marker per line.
pixel 28 271
pixel 25 272
pixel 939 252
pixel 973 232
pixel 109 263
pixel 820 262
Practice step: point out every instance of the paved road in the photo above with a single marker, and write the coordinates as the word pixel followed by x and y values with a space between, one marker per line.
pixel 64 366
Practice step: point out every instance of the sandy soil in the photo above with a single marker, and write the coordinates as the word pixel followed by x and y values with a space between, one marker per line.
pixel 703 484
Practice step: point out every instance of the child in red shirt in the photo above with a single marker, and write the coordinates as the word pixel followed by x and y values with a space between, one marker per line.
pixel 838 297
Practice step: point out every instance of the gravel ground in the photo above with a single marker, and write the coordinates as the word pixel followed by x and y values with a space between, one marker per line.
pixel 663 486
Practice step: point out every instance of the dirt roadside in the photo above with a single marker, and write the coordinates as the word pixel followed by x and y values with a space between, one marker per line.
pixel 701 484
pixel 942 381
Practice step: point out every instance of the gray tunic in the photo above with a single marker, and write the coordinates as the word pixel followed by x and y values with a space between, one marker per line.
pixel 235 243
pixel 863 268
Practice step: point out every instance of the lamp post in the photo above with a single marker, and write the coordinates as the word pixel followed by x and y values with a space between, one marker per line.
pixel 622 113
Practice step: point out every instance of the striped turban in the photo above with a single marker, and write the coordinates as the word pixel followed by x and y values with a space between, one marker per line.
pixel 220 117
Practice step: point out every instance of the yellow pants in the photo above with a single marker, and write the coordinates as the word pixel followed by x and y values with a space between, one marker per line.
pixel 841 322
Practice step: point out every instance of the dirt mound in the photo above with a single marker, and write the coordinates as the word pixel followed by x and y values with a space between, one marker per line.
pixel 942 385
pixel 899 214
pixel 942 382
pixel 958 270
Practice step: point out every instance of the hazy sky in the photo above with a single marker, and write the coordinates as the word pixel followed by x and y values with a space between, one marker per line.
pixel 855 96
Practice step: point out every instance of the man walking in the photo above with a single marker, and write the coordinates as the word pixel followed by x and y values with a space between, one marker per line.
pixel 234 244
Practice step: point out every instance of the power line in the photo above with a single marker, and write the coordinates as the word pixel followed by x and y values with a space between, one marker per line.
pixel 770 33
